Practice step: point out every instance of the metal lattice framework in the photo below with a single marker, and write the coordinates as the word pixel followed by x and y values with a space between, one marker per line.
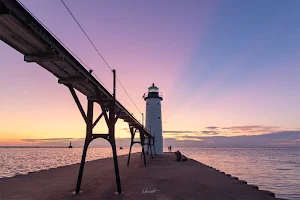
pixel 20 30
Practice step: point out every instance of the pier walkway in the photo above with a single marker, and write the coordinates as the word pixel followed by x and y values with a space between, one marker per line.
pixel 164 178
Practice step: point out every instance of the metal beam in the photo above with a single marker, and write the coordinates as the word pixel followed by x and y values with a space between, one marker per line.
pixel 102 105
pixel 96 99
pixel 117 116
pixel 78 103
pixel 88 139
pixel 72 80
pixel 132 132
pixel 97 120
pixel 42 58
pixel 111 128
pixel 104 136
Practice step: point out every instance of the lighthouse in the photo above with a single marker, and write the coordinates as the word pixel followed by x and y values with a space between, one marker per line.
pixel 153 100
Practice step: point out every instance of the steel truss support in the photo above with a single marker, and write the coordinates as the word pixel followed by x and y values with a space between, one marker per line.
pixel 110 119
pixel 149 144
pixel 141 142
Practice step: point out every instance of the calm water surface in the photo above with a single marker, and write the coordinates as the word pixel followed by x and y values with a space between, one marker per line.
pixel 16 161
pixel 274 169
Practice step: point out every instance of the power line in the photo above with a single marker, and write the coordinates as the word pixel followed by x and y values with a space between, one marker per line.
pixel 86 35
pixel 99 53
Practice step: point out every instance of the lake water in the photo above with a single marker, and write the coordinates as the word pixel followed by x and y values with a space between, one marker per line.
pixel 274 169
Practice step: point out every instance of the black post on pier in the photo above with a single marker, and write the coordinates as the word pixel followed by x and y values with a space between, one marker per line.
pixel 112 114
pixel 88 138
pixel 110 121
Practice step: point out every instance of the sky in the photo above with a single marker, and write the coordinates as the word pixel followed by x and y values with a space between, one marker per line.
pixel 227 69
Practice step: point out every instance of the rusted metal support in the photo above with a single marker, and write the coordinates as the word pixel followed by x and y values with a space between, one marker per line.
pixel 104 136
pixel 142 137
pixel 131 143
pixel 42 58
pixel 141 142
pixel 72 80
pixel 95 98
pixel 88 139
pixel 100 100
pixel 111 129
pixel 154 145
pixel 143 153
pixel 97 120
pixel 77 102
pixel 149 145
pixel 118 115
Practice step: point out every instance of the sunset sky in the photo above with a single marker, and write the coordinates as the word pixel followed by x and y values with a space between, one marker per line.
pixel 225 68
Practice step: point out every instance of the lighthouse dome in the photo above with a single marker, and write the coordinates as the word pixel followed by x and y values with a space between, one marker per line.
pixel 153 88
pixel 153 92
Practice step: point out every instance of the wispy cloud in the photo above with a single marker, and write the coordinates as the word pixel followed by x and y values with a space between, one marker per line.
pixel 211 127
pixel 181 131
pixel 277 139
pixel 254 129
pixel 210 132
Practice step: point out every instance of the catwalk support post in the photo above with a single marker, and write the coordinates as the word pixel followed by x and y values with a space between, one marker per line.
pixel 111 128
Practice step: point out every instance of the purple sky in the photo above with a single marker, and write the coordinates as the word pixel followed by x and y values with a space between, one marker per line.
pixel 217 63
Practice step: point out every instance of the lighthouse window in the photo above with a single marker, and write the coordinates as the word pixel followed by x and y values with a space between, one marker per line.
pixel 157 103
pixel 158 117
pixel 147 103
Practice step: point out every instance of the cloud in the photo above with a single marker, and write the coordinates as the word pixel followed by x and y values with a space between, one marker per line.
pixel 253 129
pixel 276 139
pixel 211 127
pixel 237 130
pixel 179 133
pixel 188 138
pixel 210 132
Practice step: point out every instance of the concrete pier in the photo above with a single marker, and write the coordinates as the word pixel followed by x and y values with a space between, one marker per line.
pixel 163 178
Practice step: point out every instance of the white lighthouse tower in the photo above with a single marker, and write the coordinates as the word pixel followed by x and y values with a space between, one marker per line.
pixel 153 100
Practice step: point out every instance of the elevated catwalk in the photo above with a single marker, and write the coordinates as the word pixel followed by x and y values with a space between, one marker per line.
pixel 20 30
